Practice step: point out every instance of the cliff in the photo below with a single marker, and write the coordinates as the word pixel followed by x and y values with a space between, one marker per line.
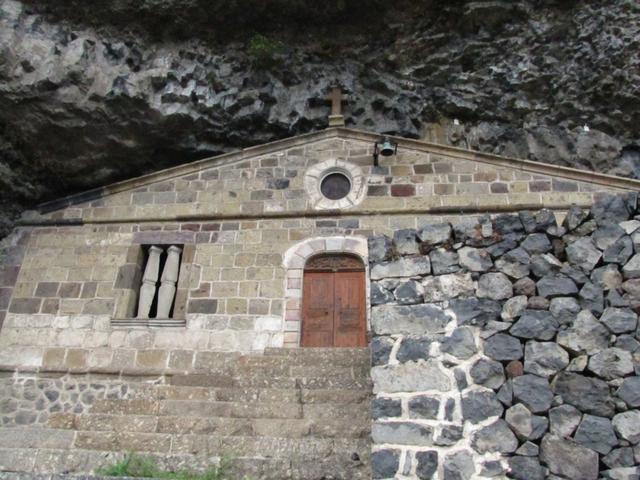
pixel 91 93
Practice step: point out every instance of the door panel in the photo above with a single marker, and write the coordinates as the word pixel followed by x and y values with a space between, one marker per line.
pixel 317 309
pixel 333 309
pixel 349 311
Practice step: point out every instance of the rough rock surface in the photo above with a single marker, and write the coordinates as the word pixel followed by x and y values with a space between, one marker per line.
pixel 96 92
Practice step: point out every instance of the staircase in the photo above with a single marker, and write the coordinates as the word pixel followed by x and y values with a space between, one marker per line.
pixel 286 414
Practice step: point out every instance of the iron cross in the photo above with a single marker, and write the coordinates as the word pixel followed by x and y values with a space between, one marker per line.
pixel 336 98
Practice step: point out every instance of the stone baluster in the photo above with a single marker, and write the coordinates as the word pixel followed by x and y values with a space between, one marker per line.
pixel 149 281
pixel 169 279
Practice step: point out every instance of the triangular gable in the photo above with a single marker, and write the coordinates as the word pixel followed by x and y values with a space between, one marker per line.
pixel 269 179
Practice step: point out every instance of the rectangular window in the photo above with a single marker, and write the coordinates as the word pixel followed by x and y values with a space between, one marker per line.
pixel 157 293
pixel 147 287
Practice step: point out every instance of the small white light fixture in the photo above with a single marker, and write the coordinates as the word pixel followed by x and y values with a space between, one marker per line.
pixel 585 127
pixel 456 121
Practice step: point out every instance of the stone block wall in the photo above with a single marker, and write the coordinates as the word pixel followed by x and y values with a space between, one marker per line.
pixel 509 346
pixel 239 290
pixel 276 180
pixel 12 250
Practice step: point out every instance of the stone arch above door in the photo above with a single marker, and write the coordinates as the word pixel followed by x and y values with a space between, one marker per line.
pixel 295 260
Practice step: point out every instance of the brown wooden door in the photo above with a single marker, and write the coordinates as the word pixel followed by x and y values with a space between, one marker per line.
pixel 349 311
pixel 333 309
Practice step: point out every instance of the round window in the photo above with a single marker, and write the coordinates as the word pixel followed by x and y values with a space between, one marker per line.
pixel 335 186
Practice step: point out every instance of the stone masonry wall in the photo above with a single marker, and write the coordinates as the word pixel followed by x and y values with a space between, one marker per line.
pixel 509 346
pixel 236 216
pixel 236 285
pixel 274 182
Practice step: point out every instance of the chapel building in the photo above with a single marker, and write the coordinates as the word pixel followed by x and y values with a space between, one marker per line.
pixel 225 307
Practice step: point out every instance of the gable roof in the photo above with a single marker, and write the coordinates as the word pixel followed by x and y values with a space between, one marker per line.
pixel 230 158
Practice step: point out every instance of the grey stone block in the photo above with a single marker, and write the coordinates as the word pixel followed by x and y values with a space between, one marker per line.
pixel 458 466
pixel 564 420
pixel 590 395
pixel 535 324
pixel 427 464
pixel 403 267
pixel 515 263
pixel 443 261
pixel 536 243
pixel 435 234
pixel 380 350
pixel 478 406
pixel 525 468
pixel 544 358
pixel 569 459
pixel 406 241
pixel 611 363
pixel 410 320
pixel 620 320
pixel 410 377
pixel 412 349
pixel 583 254
pixel 402 433
pixel 556 286
pixel 503 347
pixel 385 463
pixel 424 406
pixel 495 437
pixel 629 392
pixel 627 425
pixel 513 308
pixel 475 259
pixel 380 248
pixel 596 433
pixel 408 293
pixel 495 286
pixel 461 343
pixel 585 335
pixel 382 407
pixel 487 373
pixel 533 391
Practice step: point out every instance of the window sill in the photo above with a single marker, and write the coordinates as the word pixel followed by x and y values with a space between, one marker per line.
pixel 148 322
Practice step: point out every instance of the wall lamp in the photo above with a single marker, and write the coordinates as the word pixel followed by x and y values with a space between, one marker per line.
pixel 386 148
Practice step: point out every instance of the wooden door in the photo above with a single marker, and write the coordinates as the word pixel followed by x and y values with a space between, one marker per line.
pixel 318 309
pixel 349 312
pixel 333 306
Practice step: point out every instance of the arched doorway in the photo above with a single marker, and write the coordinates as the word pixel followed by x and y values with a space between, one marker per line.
pixel 334 302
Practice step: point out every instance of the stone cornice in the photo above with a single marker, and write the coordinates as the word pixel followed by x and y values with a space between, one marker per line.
pixel 496 208
pixel 499 161
pixel 346 133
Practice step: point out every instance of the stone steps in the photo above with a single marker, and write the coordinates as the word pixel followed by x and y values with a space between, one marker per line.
pixel 285 395
pixel 342 466
pixel 265 380
pixel 289 414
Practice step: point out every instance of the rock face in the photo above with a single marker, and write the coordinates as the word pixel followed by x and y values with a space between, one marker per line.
pixel 95 93
pixel 537 366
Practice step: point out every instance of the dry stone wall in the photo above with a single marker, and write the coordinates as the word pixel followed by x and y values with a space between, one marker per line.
pixel 508 346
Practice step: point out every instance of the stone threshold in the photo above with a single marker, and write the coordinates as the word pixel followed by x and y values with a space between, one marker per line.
pixel 148 322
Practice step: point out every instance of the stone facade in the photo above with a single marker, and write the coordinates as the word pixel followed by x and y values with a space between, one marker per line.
pixel 246 223
pixel 236 217
pixel 512 350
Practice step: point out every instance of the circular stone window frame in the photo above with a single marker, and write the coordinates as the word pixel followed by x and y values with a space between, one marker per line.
pixel 316 174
